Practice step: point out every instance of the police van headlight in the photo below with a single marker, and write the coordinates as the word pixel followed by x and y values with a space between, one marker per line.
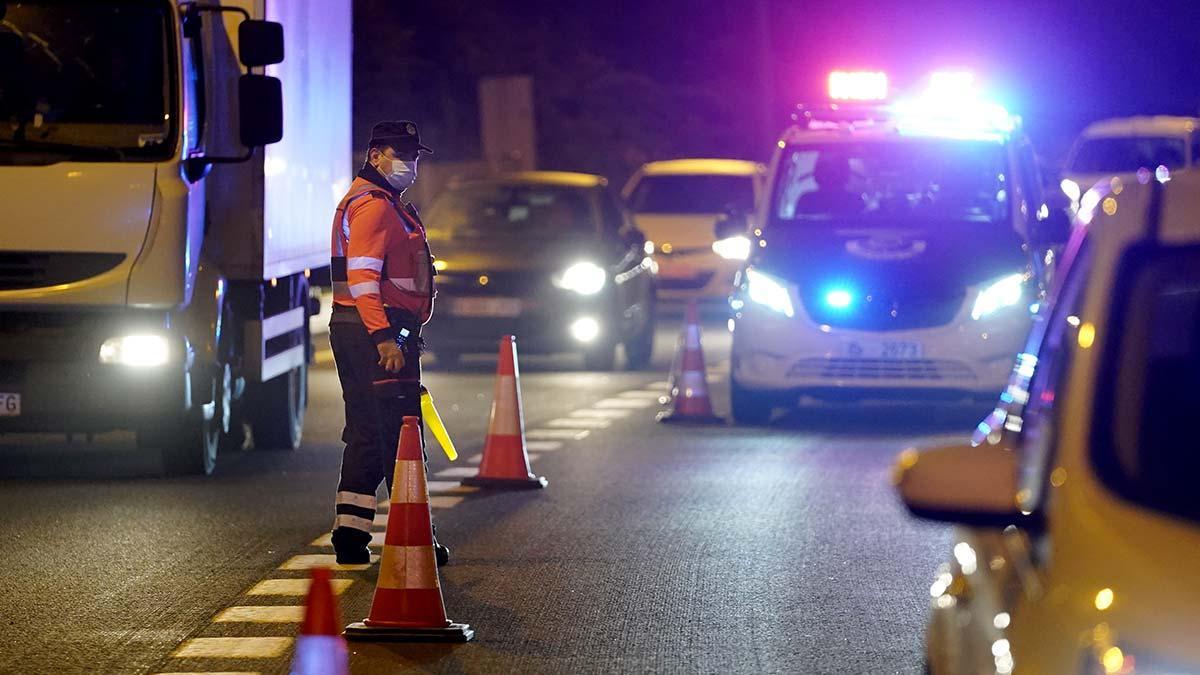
pixel 585 278
pixel 732 248
pixel 765 290
pixel 1000 294
pixel 138 351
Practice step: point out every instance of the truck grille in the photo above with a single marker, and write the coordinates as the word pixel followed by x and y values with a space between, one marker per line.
pixel 36 269
pixel 928 370
pixel 881 313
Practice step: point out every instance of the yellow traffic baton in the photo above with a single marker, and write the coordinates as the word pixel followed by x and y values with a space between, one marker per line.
pixel 434 421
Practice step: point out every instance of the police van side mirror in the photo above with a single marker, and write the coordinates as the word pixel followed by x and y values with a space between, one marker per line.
pixel 1053 230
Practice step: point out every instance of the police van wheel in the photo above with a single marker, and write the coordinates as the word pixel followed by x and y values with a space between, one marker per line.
pixel 277 417
pixel 750 407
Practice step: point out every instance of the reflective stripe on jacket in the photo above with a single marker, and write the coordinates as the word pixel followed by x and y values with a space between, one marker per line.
pixel 379 257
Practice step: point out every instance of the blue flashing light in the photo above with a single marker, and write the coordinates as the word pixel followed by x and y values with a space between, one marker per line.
pixel 839 298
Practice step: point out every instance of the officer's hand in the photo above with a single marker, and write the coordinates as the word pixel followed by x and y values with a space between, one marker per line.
pixel 391 358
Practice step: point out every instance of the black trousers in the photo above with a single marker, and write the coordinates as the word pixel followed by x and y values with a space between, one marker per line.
pixel 376 403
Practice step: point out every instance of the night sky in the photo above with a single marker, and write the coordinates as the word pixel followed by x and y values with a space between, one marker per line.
pixel 621 82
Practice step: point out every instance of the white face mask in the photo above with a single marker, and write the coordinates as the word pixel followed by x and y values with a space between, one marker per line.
pixel 403 174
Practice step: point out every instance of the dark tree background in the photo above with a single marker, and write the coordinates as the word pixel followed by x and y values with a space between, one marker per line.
pixel 620 82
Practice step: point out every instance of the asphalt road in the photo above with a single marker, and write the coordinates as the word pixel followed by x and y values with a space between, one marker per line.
pixel 654 548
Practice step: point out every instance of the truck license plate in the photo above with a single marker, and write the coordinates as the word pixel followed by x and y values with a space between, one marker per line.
pixel 891 350
pixel 486 307
pixel 10 405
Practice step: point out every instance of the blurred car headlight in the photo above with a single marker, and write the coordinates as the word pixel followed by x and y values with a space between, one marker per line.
pixel 138 351
pixel 584 278
pixel 1071 189
pixel 769 292
pixel 998 295
pixel 733 248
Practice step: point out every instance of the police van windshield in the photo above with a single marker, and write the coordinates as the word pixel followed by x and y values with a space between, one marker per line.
pixel 496 211
pixel 698 194
pixel 892 182
pixel 85 79
pixel 1126 155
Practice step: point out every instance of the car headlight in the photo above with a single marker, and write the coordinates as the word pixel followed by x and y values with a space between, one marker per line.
pixel 769 292
pixel 584 278
pixel 139 351
pixel 732 248
pixel 998 295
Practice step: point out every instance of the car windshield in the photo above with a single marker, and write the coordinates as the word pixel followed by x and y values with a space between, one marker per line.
pixel 696 194
pixel 892 182
pixel 1125 155
pixel 85 79
pixel 499 210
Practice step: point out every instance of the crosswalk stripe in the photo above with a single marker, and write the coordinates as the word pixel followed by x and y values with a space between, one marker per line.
pixel 543 446
pixel 268 614
pixel 608 414
pixel 626 403
pixel 579 423
pixel 310 560
pixel 445 502
pixel 475 458
pixel 638 394
pixel 659 386
pixel 457 472
pixel 559 434
pixel 296 587
pixel 233 648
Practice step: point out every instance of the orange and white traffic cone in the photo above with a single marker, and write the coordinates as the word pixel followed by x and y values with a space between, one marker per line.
pixel 689 398
pixel 505 462
pixel 320 649
pixel 408 606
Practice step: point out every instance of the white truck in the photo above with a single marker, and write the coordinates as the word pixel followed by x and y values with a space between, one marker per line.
pixel 158 240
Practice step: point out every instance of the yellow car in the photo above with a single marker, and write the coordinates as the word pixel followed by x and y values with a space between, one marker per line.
pixel 1078 541
pixel 677 204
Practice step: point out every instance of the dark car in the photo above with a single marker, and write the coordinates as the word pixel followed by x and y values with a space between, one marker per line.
pixel 549 257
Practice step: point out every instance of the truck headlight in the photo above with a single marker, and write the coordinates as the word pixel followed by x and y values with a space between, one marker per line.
pixel 769 292
pixel 138 351
pixel 998 295
pixel 584 278
pixel 733 248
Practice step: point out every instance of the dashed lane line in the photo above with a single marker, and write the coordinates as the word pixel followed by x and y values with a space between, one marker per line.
pixel 662 386
pixel 267 614
pixel 542 446
pixel 457 472
pixel 233 648
pixel 558 434
pixel 579 423
pixel 602 413
pixel 640 394
pixel 626 403
pixel 296 587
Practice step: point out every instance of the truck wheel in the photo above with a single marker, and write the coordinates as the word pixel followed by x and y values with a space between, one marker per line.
pixel 750 407
pixel 602 357
pixel 277 418
pixel 187 445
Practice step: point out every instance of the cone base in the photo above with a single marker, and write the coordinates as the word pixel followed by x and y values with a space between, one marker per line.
pixel 671 417
pixel 534 483
pixel 451 632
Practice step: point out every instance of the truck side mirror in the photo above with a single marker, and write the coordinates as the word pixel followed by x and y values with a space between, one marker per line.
pixel 260 110
pixel 1052 230
pixel 260 43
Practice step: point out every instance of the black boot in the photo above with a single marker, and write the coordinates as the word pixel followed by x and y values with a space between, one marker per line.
pixel 442 553
pixel 350 545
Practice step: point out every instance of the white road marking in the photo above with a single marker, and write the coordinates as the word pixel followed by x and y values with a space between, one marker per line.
pixel 662 386
pixel 543 446
pixel 233 648
pixel 269 614
pixel 639 394
pixel 223 672
pixel 457 472
pixel 474 459
pixel 625 403
pixel 579 423
pixel 558 434
pixel 296 587
pixel 437 486
pixel 310 560
pixel 445 502
pixel 608 414
pixel 325 540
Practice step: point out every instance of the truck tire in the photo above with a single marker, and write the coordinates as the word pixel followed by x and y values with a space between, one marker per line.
pixel 277 417
pixel 186 444
pixel 750 407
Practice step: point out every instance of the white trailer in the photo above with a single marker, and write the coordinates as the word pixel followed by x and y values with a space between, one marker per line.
pixel 155 258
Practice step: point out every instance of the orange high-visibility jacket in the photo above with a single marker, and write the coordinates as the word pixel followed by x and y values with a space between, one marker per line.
pixel 379 258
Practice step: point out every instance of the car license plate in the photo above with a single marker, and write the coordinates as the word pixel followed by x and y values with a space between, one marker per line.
pixel 486 307
pixel 891 350
pixel 10 405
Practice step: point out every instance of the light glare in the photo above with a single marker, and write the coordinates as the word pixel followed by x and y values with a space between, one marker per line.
pixel 769 293
pixel 138 351
pixel 732 248
pixel 585 329
pixel 584 278
pixel 1003 293
pixel 858 85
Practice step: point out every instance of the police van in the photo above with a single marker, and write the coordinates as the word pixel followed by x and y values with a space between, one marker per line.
pixel 899 250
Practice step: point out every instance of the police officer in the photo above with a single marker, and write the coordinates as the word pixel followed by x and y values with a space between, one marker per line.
pixel 383 293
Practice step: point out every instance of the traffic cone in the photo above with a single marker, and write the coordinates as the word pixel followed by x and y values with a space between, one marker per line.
pixel 689 398
pixel 505 462
pixel 320 649
pixel 408 606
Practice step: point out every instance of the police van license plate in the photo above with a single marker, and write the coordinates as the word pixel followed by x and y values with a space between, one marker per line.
pixel 10 405
pixel 506 308
pixel 889 350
